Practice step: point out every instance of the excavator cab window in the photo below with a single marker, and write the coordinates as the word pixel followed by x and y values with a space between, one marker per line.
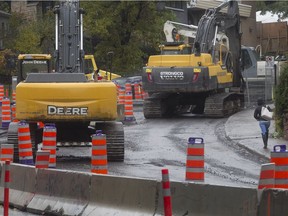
pixel 33 66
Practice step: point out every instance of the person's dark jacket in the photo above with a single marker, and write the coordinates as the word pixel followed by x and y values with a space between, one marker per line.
pixel 257 112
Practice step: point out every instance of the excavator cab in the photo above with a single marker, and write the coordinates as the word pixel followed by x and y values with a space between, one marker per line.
pixel 33 63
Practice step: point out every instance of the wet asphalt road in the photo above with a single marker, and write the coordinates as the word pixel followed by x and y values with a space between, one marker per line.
pixel 153 144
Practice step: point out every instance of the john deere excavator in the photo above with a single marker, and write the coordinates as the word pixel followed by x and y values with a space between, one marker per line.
pixel 208 80
pixel 65 97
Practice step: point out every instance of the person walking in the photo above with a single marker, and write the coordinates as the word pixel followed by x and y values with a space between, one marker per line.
pixel 263 123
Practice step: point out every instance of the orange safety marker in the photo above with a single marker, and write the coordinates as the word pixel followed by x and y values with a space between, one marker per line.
pixel 42 159
pixel 14 96
pixel 49 143
pixel 6 113
pixel 166 191
pixel 267 176
pixel 13 113
pixel 121 95
pixel 137 91
pixel 195 160
pixel 99 162
pixel 1 93
pixel 6 188
pixel 7 152
pixel 128 107
pixel 25 144
pixel 280 157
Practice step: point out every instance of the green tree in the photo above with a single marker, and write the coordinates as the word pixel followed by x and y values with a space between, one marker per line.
pixel 127 28
pixel 4 7
pixel 281 100
pixel 276 7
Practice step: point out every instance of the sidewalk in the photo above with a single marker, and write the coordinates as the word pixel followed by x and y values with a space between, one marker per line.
pixel 244 129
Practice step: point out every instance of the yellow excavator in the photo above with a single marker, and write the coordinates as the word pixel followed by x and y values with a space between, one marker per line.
pixel 65 97
pixel 208 80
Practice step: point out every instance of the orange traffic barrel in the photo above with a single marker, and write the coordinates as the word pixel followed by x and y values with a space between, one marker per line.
pixel 13 113
pixel 267 176
pixel 49 143
pixel 25 144
pixel 6 113
pixel 7 152
pixel 195 160
pixel 121 95
pixel 279 156
pixel 99 162
pixel 1 93
pixel 128 106
pixel 14 97
pixel 137 91
pixel 42 159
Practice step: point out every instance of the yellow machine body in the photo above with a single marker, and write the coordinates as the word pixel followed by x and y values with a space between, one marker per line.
pixel 52 102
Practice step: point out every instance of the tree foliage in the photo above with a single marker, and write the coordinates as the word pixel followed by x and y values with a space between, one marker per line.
pixel 281 99
pixel 132 30
pixel 276 7
pixel 127 28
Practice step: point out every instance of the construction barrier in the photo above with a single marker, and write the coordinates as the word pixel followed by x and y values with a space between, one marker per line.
pixel 67 192
pixel 267 176
pixel 42 159
pixel 166 191
pixel 49 143
pixel 195 160
pixel 121 95
pixel 273 202
pixel 64 192
pixel 99 162
pixel 14 97
pixel 13 113
pixel 6 187
pixel 6 113
pixel 25 144
pixel 279 156
pixel 137 91
pixel 1 93
pixel 7 152
pixel 128 108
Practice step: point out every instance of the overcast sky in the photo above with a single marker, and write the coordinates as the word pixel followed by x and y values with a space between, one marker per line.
pixel 267 18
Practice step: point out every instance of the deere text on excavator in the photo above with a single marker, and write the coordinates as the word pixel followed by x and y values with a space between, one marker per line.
pixel 208 80
pixel 65 97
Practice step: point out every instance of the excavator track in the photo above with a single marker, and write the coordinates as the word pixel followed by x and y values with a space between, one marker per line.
pixel 152 108
pixel 114 138
pixel 223 104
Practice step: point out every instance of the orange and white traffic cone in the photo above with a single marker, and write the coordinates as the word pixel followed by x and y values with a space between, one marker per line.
pixel 267 176
pixel 7 152
pixel 25 144
pixel 1 93
pixel 6 113
pixel 99 161
pixel 195 160
pixel 49 143
pixel 42 159
pixel 14 97
pixel 13 113
pixel 128 107
pixel 137 92
pixel 279 156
